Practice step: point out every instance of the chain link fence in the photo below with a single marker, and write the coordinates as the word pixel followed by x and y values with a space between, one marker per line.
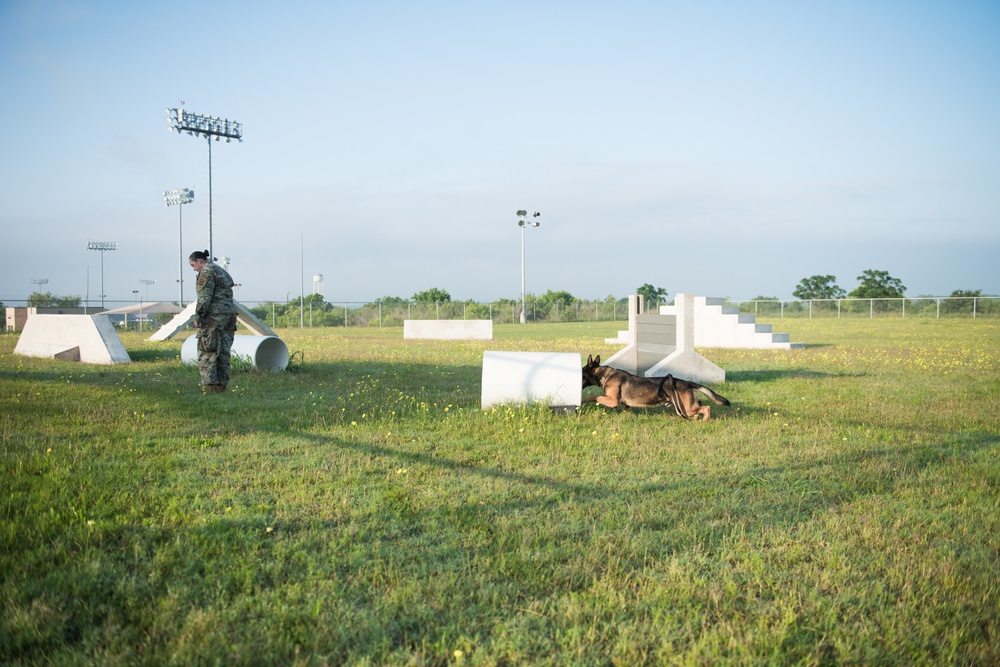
pixel 608 310
pixel 320 313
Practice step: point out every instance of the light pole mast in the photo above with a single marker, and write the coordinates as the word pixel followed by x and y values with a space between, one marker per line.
pixel 522 223
pixel 178 197
pixel 197 125
pixel 102 247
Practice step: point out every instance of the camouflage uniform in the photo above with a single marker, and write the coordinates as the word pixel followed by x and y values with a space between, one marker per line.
pixel 216 315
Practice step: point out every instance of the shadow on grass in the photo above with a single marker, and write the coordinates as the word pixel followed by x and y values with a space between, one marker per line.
pixel 771 375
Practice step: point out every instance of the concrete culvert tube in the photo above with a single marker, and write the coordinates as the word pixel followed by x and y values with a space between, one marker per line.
pixel 266 353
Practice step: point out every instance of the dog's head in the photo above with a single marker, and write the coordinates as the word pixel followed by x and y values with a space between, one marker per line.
pixel 592 371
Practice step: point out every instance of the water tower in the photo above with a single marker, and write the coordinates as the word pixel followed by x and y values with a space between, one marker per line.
pixel 317 283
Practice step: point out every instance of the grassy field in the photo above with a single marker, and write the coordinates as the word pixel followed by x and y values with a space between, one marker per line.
pixel 362 509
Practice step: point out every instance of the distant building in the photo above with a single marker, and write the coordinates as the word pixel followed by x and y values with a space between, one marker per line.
pixel 16 317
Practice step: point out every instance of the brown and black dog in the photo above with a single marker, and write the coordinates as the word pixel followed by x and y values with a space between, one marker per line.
pixel 622 388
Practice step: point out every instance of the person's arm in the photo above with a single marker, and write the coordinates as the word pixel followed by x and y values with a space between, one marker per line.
pixel 206 288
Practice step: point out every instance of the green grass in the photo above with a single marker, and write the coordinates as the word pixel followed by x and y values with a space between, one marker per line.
pixel 362 509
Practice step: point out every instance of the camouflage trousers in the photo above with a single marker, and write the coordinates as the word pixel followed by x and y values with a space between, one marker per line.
pixel 215 344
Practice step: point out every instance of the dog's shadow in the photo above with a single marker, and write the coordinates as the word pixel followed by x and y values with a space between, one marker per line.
pixel 782 374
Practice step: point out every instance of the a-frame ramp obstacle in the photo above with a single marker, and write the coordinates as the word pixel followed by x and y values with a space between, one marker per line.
pixel 186 316
pixel 90 339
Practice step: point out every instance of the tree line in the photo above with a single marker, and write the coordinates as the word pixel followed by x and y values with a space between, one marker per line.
pixel 872 284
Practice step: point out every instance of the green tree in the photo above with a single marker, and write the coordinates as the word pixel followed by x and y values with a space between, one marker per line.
pixel 49 300
pixel 961 301
pixel 818 287
pixel 652 296
pixel 432 295
pixel 877 285
pixel 562 298
pixel 391 301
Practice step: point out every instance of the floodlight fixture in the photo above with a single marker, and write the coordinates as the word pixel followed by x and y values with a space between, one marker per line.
pixel 147 282
pixel 522 222
pixel 102 247
pixel 197 125
pixel 40 281
pixel 178 197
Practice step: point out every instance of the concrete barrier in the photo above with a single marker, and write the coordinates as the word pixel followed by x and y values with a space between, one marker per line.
pixel 88 338
pixel 266 353
pixel 662 344
pixel 555 378
pixel 448 329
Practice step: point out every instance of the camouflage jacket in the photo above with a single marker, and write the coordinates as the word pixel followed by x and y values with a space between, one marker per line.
pixel 215 292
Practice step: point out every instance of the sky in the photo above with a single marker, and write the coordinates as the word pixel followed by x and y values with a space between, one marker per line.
pixel 714 148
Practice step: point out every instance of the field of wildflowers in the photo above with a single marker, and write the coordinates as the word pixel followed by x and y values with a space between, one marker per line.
pixel 360 508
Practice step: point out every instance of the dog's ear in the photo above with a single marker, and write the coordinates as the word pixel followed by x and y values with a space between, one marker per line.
pixel 597 360
pixel 590 360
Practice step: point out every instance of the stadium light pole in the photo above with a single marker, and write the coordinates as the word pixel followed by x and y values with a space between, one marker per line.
pixel 147 282
pixel 39 282
pixel 135 292
pixel 522 223
pixel 197 125
pixel 178 197
pixel 102 247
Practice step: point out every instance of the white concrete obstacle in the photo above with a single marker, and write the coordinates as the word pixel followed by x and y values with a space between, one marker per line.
pixel 662 344
pixel 266 353
pixel 186 316
pixel 88 338
pixel 448 329
pixel 555 378
pixel 719 325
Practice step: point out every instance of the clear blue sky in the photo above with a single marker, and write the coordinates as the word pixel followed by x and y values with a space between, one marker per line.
pixel 716 148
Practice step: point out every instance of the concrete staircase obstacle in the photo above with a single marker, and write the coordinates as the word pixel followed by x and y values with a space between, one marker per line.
pixel 91 339
pixel 719 325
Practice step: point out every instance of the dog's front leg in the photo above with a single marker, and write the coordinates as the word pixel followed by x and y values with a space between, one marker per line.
pixel 608 401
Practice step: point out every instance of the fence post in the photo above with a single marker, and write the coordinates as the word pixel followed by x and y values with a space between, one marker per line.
pixel 904 307
pixel 973 307
pixel 871 309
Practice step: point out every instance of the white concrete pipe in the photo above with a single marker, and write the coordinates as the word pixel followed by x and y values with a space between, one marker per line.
pixel 555 378
pixel 266 353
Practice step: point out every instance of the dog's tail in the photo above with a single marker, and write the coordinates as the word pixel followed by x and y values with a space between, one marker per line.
pixel 718 400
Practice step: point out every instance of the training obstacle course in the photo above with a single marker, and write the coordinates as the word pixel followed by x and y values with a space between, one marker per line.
pixel 186 316
pixel 554 378
pixel 90 339
pixel 657 345
pixel 265 353
pixel 448 329
pixel 719 325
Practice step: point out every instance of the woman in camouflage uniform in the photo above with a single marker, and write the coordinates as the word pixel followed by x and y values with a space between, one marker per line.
pixel 215 319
